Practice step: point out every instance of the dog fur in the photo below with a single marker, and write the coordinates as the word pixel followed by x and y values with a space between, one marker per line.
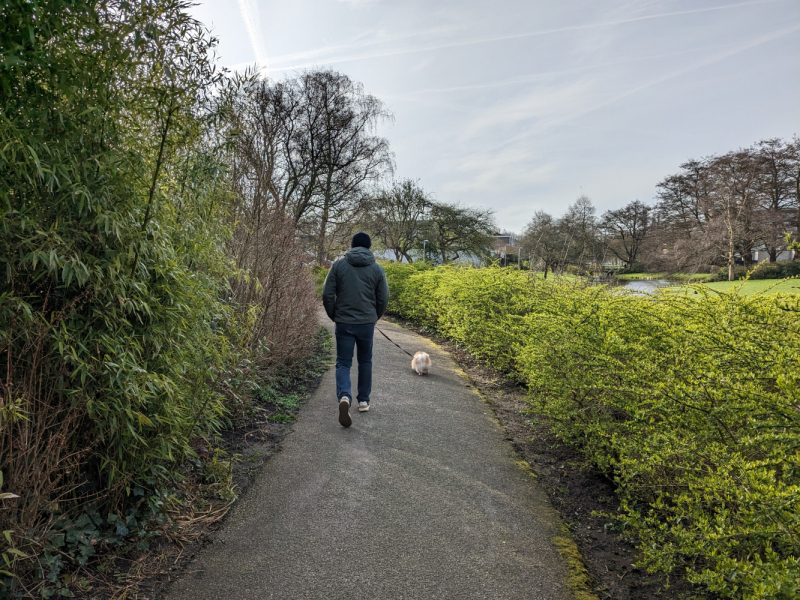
pixel 421 363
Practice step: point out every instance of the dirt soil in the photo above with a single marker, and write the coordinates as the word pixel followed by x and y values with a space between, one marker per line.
pixel 576 490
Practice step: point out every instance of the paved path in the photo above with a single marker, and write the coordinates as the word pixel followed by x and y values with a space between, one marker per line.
pixel 420 498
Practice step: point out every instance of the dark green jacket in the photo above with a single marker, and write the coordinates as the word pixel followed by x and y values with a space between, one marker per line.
pixel 356 290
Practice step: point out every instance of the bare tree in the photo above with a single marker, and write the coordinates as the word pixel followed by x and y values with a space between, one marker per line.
pixel 681 215
pixel 794 149
pixel 308 146
pixel 684 199
pixel 545 241
pixel 717 209
pixel 579 225
pixel 269 284
pixel 626 229
pixel 343 146
pixel 734 176
pixel 454 230
pixel 777 161
pixel 399 214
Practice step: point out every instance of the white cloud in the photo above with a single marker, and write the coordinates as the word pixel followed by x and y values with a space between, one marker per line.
pixel 539 107
pixel 494 174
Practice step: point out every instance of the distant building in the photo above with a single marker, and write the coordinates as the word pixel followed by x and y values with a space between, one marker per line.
pixel 505 245
pixel 761 254
pixel 502 239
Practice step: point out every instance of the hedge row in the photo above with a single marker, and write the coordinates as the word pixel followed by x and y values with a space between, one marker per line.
pixel 777 270
pixel 690 402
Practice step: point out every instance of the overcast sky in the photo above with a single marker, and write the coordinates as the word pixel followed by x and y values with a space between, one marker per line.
pixel 524 105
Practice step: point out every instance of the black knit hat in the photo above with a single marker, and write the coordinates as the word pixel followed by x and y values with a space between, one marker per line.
pixel 361 239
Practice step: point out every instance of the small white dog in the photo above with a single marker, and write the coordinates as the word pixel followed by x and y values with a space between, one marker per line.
pixel 421 363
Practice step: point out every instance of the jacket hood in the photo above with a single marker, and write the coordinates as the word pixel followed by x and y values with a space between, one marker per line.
pixel 360 257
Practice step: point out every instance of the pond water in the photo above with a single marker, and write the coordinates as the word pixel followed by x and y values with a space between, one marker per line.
pixel 646 286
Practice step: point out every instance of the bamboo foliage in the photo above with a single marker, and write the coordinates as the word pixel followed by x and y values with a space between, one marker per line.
pixel 139 302
pixel 112 251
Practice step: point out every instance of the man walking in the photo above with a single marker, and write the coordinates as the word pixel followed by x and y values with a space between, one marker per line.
pixel 355 297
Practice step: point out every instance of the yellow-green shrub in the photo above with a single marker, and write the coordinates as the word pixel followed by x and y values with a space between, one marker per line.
pixel 318 274
pixel 689 402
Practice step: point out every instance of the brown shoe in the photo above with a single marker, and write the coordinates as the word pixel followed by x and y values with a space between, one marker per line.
pixel 344 412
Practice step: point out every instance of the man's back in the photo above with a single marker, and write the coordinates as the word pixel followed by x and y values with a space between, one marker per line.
pixel 356 290
pixel 355 297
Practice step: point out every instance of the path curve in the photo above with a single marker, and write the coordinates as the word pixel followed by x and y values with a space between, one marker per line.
pixel 421 498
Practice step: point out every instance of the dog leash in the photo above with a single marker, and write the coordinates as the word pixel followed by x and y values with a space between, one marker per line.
pixel 395 343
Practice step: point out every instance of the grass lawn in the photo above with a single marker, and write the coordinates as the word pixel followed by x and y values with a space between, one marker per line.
pixel 769 286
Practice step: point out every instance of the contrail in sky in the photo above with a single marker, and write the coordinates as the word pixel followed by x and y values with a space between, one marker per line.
pixel 249 10
pixel 472 42
pixel 764 39
pixel 715 58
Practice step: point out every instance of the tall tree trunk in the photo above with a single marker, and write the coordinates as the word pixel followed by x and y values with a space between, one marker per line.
pixel 324 217
pixel 323 227
pixel 797 200
pixel 731 250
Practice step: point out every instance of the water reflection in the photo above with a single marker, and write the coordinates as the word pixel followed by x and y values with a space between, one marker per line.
pixel 646 286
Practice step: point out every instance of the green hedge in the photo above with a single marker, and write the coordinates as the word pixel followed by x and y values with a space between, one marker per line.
pixel 690 404
pixel 779 270
pixel 318 274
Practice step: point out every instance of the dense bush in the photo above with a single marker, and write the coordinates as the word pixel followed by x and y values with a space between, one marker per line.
pixel 112 254
pixel 776 270
pixel 690 402
pixel 273 292
pixel 636 267
pixel 126 322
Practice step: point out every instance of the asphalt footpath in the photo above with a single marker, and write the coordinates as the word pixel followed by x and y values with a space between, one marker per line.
pixel 422 497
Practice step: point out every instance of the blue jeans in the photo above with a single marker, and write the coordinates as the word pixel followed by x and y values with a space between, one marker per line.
pixel 348 337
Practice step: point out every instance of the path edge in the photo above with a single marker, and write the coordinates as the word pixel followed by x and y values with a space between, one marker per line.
pixel 579 583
